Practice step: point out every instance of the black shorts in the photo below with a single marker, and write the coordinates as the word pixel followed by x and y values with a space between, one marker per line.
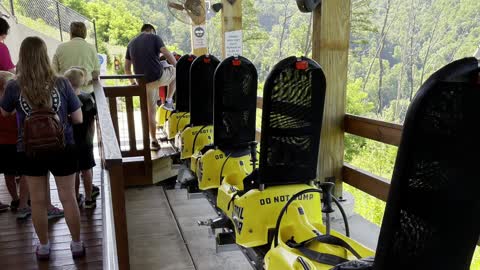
pixel 86 160
pixel 8 159
pixel 62 163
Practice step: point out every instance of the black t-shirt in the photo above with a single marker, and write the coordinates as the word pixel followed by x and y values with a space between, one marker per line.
pixel 144 52
pixel 84 132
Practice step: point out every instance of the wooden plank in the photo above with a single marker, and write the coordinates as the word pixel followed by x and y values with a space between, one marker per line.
pixel 146 133
pixel 18 239
pixel 122 91
pixel 121 77
pixel 259 102
pixel 380 131
pixel 132 141
pixel 112 103
pixel 136 153
pixel 110 247
pixel 369 183
pixel 258 135
pixel 331 40
pixel 231 20
pixel 144 116
pixel 111 148
pixel 117 186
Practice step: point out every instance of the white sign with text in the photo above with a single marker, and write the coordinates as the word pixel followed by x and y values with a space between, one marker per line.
pixel 233 43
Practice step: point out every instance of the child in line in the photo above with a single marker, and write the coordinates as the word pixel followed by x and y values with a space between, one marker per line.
pixel 83 134
pixel 8 158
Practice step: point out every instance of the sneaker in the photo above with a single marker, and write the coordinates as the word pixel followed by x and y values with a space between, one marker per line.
pixel 78 249
pixel 155 146
pixel 24 213
pixel 55 212
pixel 43 252
pixel 14 205
pixel 95 192
pixel 168 106
pixel 3 207
pixel 80 200
pixel 90 204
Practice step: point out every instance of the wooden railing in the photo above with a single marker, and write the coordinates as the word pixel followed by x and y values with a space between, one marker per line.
pixel 115 235
pixel 379 131
pixel 137 160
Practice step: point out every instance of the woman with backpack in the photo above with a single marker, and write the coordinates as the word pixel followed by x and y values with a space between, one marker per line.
pixel 43 103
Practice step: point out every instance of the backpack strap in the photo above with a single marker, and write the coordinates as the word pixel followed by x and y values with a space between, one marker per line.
pixel 56 102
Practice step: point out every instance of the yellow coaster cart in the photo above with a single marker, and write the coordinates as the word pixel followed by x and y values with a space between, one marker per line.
pixel 235 100
pixel 199 133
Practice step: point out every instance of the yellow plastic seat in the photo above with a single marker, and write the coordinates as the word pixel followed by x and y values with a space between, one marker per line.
pixel 193 139
pixel 215 165
pixel 176 123
pixel 162 116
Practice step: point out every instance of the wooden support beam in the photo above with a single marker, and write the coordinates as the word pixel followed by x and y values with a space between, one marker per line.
pixel 117 186
pixel 331 39
pixel 199 40
pixel 231 21
pixel 259 102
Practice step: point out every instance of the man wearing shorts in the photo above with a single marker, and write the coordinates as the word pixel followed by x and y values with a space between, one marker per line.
pixel 143 52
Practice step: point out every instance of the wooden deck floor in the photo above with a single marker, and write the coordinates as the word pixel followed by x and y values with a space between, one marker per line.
pixel 18 239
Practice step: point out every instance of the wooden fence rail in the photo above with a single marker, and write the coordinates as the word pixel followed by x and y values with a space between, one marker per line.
pixel 114 213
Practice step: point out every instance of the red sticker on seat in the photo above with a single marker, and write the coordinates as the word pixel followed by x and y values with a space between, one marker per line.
pixel 301 65
pixel 236 62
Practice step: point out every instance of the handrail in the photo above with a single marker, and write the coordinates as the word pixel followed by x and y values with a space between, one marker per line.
pixel 121 77
pixel 107 136
pixel 367 182
pixel 380 131
pixel 114 212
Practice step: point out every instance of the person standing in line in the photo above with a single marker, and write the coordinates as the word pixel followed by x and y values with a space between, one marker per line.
pixel 143 52
pixel 38 88
pixel 6 63
pixel 78 53
pixel 83 134
pixel 8 149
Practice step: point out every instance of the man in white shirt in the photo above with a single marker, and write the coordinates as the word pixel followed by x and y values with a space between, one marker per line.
pixel 78 53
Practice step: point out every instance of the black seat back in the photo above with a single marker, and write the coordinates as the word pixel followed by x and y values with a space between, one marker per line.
pixel 183 82
pixel 235 96
pixel 293 101
pixel 182 92
pixel 432 218
pixel 201 90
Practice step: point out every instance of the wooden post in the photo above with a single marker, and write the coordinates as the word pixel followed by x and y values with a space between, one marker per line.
pixel 231 21
pixel 119 215
pixel 199 33
pixel 331 39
